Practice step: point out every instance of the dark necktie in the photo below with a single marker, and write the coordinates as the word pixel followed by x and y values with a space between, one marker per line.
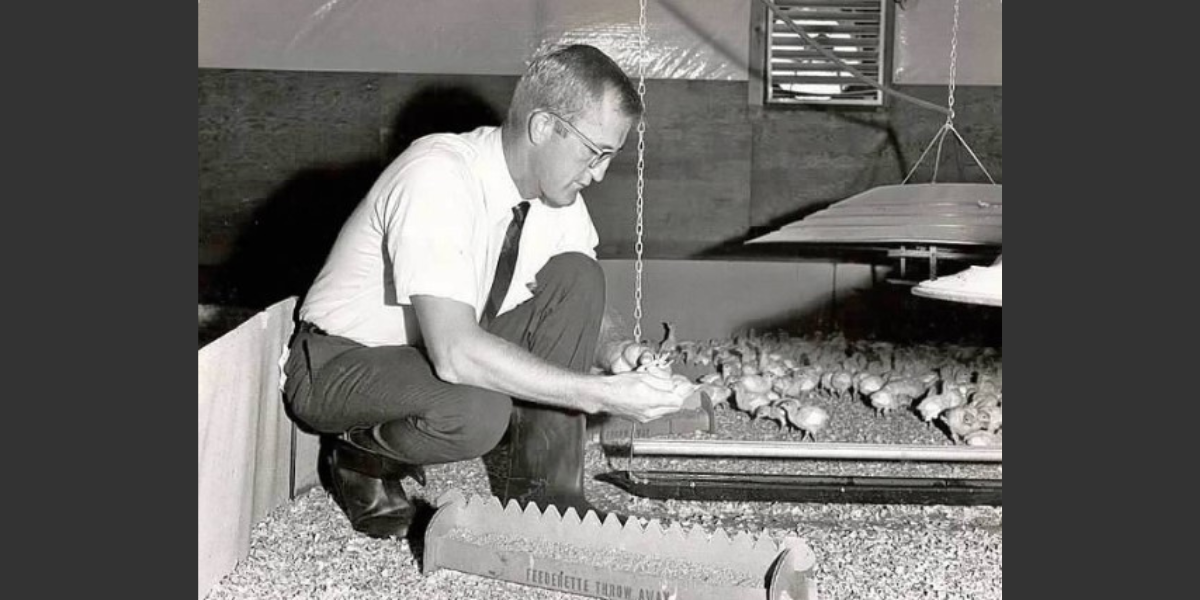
pixel 507 263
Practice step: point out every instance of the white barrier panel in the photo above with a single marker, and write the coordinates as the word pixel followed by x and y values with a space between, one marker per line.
pixel 244 437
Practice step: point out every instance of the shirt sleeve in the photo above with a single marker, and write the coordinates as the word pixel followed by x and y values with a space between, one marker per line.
pixel 429 221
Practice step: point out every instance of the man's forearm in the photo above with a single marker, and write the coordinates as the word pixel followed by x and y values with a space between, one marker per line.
pixel 493 363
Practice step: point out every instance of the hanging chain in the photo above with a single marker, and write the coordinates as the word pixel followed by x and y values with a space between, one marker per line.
pixel 948 126
pixel 641 168
pixel 953 63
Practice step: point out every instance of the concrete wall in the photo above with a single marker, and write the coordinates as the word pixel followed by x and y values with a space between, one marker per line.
pixel 717 299
pixel 706 299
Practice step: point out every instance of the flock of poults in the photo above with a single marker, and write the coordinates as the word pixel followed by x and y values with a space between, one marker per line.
pixel 777 377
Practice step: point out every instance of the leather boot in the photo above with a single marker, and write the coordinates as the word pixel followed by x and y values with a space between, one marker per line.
pixel 366 484
pixel 545 458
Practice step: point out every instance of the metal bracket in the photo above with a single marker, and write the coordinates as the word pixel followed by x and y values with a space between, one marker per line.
pixel 932 254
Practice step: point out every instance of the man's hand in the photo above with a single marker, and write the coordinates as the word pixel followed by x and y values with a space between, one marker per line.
pixel 643 396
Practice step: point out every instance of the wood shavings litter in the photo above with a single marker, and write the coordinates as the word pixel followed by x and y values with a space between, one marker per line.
pixel 306 549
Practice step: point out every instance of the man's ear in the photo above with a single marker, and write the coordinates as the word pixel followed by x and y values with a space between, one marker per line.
pixel 541 128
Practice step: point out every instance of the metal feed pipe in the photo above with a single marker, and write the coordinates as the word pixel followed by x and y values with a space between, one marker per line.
pixel 839 451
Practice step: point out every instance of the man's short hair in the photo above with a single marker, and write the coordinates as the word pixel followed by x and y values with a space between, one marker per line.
pixel 567 80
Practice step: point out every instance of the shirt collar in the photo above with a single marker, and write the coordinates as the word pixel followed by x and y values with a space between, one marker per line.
pixel 501 191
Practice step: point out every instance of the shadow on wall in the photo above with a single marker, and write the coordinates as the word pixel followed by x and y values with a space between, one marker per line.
pixel 439 109
pixel 281 250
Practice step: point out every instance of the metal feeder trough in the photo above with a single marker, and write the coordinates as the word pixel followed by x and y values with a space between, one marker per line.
pixel 608 559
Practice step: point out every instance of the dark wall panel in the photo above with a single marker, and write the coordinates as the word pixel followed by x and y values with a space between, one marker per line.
pixel 697 176
pixel 284 157
pixel 267 138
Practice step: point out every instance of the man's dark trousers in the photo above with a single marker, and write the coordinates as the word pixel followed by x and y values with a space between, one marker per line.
pixel 337 386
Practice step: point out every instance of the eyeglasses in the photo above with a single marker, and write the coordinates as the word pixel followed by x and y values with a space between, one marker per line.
pixel 599 155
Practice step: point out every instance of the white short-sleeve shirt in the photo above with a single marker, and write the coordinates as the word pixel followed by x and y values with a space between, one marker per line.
pixel 433 225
